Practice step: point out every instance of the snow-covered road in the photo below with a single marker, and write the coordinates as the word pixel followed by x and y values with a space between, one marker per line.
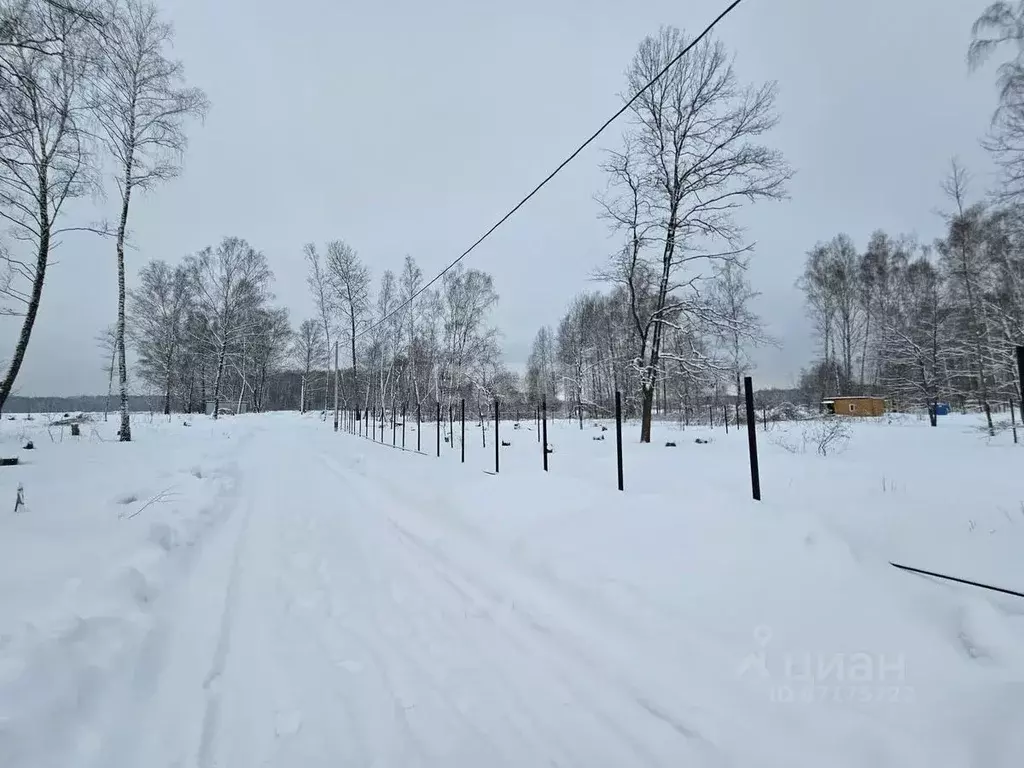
pixel 314 599
pixel 336 620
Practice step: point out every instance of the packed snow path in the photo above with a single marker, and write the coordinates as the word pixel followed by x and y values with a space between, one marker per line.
pixel 311 599
pixel 350 626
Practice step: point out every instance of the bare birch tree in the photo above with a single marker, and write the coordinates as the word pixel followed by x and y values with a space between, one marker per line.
pixel 963 257
pixel 141 104
pixel 695 140
pixel 409 284
pixel 43 158
pixel 159 307
pixel 350 284
pixel 107 342
pixel 1002 23
pixel 738 328
pixel 230 284
pixel 917 336
pixel 324 300
pixel 309 349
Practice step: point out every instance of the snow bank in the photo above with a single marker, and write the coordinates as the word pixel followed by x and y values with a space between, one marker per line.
pixel 104 528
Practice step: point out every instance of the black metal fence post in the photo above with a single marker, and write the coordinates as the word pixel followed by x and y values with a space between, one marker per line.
pixel 544 428
pixel 405 407
pixel 451 424
pixel 373 425
pixel 438 429
pixel 755 474
pixel 394 425
pixel 382 412
pixel 419 423
pixel 462 440
pixel 725 418
pixel 618 434
pixel 497 437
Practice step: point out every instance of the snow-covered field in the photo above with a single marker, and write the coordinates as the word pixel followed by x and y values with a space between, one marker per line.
pixel 259 591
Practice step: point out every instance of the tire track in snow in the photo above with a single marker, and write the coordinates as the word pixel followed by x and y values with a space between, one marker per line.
pixel 211 685
pixel 570 646
pixel 564 657
pixel 542 735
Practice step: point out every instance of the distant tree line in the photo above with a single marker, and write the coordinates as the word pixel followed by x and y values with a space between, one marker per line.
pixel 924 323
pixel 401 344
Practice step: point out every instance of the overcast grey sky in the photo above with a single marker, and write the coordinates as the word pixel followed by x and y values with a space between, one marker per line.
pixel 409 127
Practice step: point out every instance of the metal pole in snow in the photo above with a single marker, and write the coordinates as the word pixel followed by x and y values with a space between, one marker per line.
pixel 618 434
pixel 335 386
pixel 418 424
pixel 438 429
pixel 497 437
pixel 755 474
pixel 462 441
pixel 544 428
pixel 404 408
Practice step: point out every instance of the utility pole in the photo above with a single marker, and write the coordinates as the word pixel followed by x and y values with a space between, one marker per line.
pixel 335 386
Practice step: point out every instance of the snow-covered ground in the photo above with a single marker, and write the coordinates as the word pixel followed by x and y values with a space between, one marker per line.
pixel 259 591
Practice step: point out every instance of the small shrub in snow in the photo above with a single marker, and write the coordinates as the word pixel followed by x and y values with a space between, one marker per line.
pixel 827 435
pixel 670 444
pixel 30 446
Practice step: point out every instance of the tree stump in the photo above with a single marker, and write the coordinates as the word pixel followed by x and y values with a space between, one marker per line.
pixel 76 431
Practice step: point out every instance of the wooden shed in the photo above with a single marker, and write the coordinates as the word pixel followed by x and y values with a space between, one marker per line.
pixel 854 406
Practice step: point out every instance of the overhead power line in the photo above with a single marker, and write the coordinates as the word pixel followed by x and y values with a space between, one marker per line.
pixel 675 59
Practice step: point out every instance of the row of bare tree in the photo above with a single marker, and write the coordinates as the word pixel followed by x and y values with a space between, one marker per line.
pixel 394 350
pixel 924 323
pixel 206 328
pixel 677 320
pixel 88 93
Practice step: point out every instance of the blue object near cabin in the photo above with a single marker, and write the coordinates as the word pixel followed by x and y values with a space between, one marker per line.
pixel 942 409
